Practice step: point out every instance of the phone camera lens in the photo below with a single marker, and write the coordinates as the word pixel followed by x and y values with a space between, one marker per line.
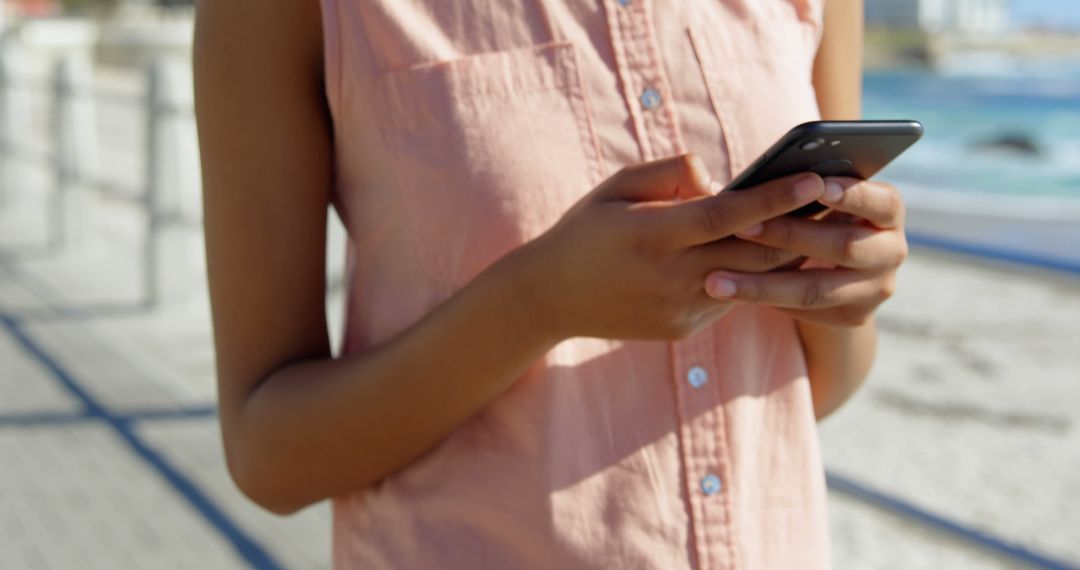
pixel 812 144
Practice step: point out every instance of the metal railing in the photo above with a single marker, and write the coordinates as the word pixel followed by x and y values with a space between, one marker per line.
pixel 70 155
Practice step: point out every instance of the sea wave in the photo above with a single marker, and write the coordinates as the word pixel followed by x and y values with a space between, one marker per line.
pixel 1002 135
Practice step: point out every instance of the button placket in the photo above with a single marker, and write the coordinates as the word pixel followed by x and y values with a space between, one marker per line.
pixel 641 73
pixel 719 522
pixel 647 93
pixel 703 451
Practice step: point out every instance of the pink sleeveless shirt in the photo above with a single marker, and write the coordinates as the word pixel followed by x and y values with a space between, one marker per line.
pixel 464 128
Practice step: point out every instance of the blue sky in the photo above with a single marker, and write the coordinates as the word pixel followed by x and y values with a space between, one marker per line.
pixel 1060 13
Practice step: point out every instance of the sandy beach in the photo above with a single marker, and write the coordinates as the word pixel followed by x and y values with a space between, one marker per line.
pixel 970 411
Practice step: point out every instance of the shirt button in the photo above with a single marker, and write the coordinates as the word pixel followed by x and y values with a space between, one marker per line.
pixel 650 98
pixel 697 376
pixel 710 485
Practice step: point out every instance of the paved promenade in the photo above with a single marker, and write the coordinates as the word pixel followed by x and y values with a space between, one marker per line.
pixel 109 447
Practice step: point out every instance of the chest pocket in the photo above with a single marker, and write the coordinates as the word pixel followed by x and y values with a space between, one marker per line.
pixel 758 72
pixel 488 151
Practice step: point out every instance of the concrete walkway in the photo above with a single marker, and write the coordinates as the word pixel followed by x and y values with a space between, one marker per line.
pixel 110 454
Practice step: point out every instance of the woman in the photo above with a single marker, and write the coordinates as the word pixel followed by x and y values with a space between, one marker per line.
pixel 563 348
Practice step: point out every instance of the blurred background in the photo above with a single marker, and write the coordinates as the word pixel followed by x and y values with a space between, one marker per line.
pixel 962 451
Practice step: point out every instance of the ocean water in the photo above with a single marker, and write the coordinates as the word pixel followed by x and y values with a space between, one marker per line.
pixel 976 100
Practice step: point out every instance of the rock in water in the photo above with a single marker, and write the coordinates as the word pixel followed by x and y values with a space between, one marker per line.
pixel 1015 143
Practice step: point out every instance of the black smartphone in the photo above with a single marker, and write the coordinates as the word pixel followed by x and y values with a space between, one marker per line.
pixel 857 149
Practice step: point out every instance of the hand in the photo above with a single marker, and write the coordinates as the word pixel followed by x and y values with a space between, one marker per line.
pixel 854 252
pixel 629 260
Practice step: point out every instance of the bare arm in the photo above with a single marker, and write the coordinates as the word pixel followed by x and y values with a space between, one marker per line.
pixel 838 65
pixel 838 358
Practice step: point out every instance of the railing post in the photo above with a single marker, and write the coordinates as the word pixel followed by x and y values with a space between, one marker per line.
pixel 7 126
pixel 74 149
pixel 61 88
pixel 14 118
pixel 152 193
pixel 172 172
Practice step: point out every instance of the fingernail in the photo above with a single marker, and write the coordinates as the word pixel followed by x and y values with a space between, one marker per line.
pixel 808 187
pixel 833 192
pixel 715 186
pixel 754 230
pixel 701 172
pixel 720 287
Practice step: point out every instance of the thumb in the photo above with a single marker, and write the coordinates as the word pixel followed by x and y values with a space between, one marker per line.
pixel 679 177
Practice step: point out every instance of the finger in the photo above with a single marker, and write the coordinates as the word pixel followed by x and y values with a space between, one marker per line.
pixel 803 289
pixel 843 244
pixel 878 202
pixel 675 178
pixel 739 255
pixel 708 219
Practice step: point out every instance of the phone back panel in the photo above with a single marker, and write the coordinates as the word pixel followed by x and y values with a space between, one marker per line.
pixel 856 149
